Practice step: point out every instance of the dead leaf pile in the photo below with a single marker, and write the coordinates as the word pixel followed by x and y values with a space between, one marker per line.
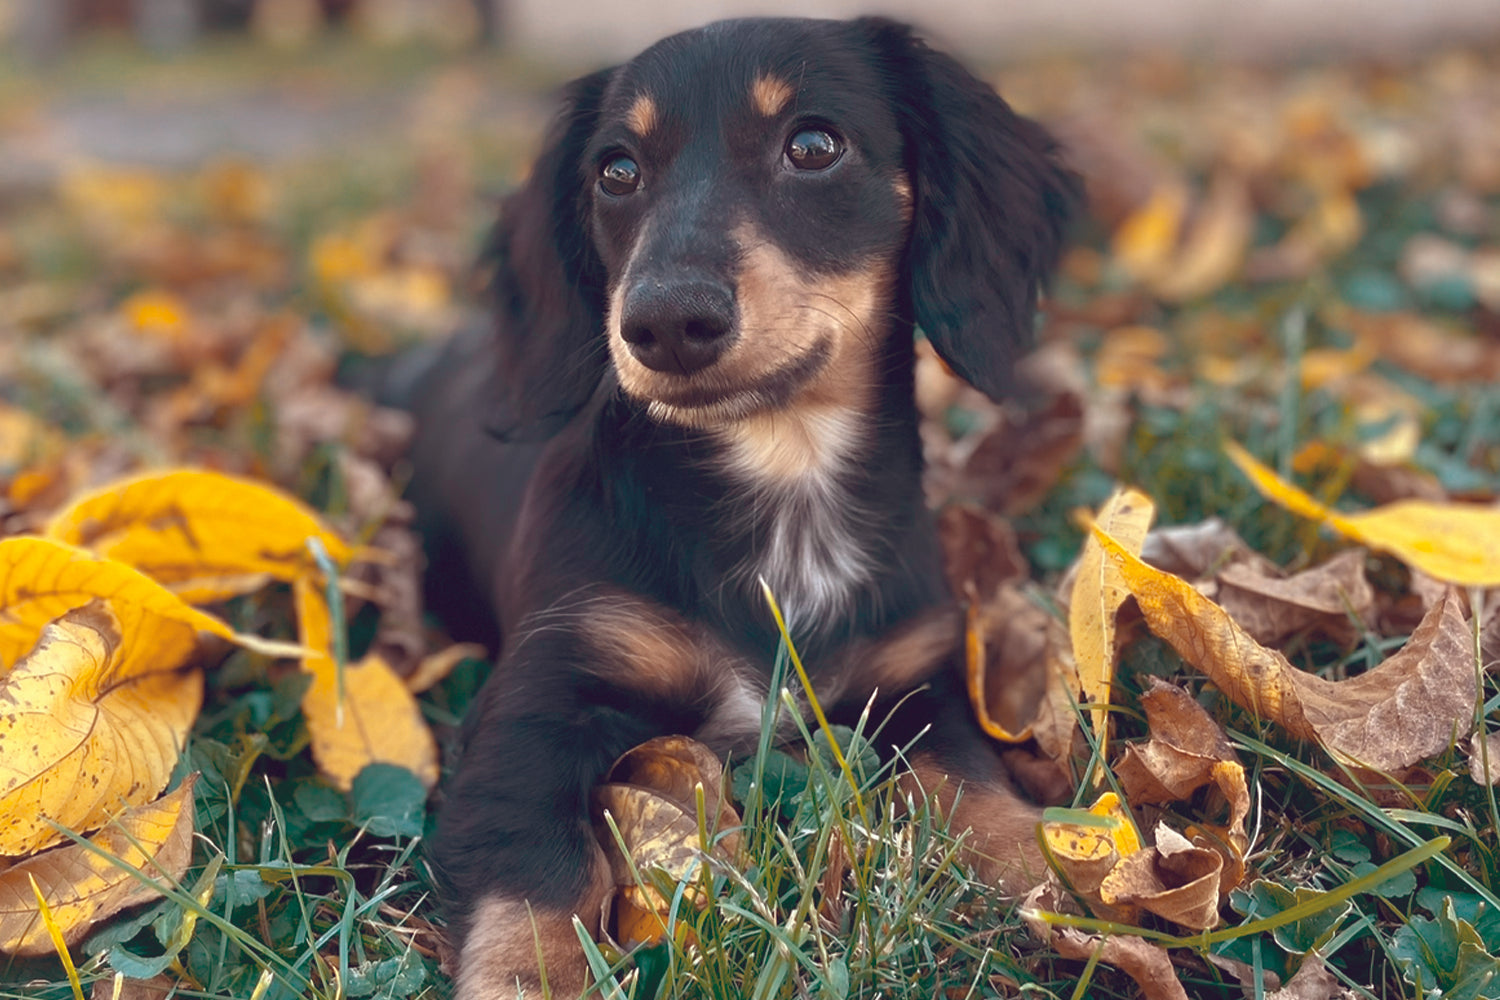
pixel 101 664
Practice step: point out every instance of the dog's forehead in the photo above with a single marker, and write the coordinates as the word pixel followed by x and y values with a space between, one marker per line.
pixel 765 67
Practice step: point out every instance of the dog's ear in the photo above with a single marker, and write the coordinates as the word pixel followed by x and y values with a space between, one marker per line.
pixel 548 284
pixel 991 203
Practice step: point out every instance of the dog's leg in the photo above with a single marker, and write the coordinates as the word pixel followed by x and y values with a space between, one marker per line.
pixel 514 851
pixel 958 767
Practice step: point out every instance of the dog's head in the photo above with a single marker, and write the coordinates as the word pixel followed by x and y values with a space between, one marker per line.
pixel 735 221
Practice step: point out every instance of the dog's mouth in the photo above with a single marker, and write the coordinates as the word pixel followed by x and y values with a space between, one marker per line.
pixel 718 393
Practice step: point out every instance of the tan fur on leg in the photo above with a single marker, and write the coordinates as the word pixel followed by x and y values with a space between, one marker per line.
pixel 1001 846
pixel 499 958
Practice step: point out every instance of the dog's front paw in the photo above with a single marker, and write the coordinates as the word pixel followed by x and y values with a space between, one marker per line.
pixel 501 952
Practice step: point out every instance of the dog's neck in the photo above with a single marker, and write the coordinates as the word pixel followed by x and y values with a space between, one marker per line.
pixel 824 503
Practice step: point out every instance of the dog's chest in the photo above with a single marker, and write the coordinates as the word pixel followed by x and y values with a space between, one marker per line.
pixel 803 529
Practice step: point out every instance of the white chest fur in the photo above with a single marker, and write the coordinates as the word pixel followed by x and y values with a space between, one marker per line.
pixel 808 535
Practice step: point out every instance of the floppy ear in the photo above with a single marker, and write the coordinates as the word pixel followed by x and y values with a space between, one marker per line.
pixel 548 284
pixel 992 201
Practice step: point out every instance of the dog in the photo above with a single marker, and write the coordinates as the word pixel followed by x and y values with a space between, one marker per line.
pixel 699 376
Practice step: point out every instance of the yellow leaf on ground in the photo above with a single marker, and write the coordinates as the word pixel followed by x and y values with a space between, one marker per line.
pixel 41 580
pixel 1407 709
pixel 1098 592
pixel 1455 542
pixel 1215 247
pixel 82 888
pixel 205 535
pixel 87 728
pixel 370 718
pixel 1145 241
pixel 651 794
pixel 1087 853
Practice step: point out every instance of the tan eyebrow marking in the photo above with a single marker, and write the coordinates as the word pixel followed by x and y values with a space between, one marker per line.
pixel 642 116
pixel 770 94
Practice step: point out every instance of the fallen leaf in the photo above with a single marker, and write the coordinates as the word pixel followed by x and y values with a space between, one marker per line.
pixel 1097 595
pixel 83 888
pixel 1215 246
pixel 1313 981
pixel 42 580
pixel 1459 543
pixel 1146 239
pixel 1199 551
pixel 980 551
pixel 368 716
pixel 1333 598
pixel 651 794
pixel 1175 880
pixel 1148 964
pixel 205 535
pixel 1085 853
pixel 1007 641
pixel 1187 751
pixel 1484 758
pixel 88 728
pixel 1409 708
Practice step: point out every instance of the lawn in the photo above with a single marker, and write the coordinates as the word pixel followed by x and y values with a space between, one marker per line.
pixel 1231 571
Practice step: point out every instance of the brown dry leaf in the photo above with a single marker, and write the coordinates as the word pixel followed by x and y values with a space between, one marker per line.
pixel 1407 709
pixel 1459 543
pixel 1187 751
pixel 205 535
pixel 370 718
pixel 1198 551
pixel 1097 595
pixel 88 727
pixel 1148 964
pixel 1017 461
pixel 1174 880
pixel 43 580
pixel 1006 645
pixel 1484 758
pixel 980 551
pixel 83 888
pixel 162 987
pixel 651 794
pixel 1325 598
pixel 1313 981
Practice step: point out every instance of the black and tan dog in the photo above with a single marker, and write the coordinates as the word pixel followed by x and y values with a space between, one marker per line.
pixel 700 376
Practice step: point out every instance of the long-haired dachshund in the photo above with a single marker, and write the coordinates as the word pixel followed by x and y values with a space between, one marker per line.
pixel 699 375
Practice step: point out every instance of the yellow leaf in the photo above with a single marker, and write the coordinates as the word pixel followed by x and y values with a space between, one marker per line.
pixel 205 535
pixel 87 728
pixel 41 580
pixel 652 792
pixel 156 314
pixel 1144 242
pixel 82 888
pixel 1458 543
pixel 1086 853
pixel 370 718
pixel 1098 592
pixel 1409 708
pixel 1215 246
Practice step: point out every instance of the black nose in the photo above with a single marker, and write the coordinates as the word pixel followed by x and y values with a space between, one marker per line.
pixel 677 327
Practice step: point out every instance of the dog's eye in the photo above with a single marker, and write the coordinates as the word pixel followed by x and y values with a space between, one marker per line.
pixel 814 149
pixel 620 175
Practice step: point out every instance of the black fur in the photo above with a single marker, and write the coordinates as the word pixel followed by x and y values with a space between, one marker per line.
pixel 535 470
